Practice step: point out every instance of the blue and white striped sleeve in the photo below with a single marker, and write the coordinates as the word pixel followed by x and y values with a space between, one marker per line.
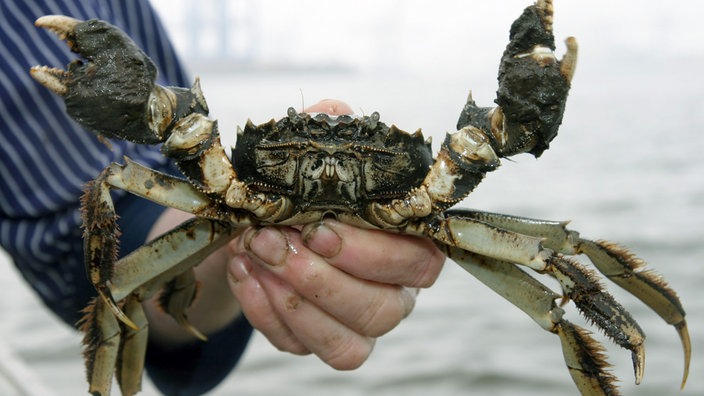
pixel 46 158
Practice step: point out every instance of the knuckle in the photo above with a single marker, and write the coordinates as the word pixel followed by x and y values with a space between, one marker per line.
pixel 280 336
pixel 427 268
pixel 348 353
pixel 384 312
pixel 290 345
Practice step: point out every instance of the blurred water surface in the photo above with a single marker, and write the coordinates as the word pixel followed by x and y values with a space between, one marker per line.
pixel 624 167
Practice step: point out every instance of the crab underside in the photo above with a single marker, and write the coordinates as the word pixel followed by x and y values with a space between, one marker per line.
pixel 304 167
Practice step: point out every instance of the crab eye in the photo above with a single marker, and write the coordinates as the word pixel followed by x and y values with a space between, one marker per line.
pixel 272 157
pixel 347 133
pixel 316 132
pixel 374 120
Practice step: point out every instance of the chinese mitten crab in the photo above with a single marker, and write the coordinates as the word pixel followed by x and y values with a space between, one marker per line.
pixel 304 167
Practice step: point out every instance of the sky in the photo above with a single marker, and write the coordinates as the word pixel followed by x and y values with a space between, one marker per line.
pixel 414 36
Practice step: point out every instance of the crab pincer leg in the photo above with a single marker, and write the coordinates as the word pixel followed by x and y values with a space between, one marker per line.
pixel 533 87
pixel 616 263
pixel 531 98
pixel 118 78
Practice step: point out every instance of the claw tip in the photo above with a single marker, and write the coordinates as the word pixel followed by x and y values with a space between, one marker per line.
pixel 50 78
pixel 107 298
pixel 639 362
pixel 61 25
pixel 683 332
pixel 569 60
pixel 56 21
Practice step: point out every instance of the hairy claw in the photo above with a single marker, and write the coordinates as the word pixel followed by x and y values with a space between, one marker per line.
pixel 586 360
pixel 583 287
pixel 629 272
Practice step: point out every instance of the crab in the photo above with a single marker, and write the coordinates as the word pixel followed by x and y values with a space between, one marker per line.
pixel 303 168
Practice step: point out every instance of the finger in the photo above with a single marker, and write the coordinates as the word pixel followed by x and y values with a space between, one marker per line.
pixel 330 106
pixel 369 308
pixel 376 255
pixel 333 342
pixel 256 306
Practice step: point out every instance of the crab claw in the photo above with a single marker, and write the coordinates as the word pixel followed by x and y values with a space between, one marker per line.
pixel 63 27
pixel 533 83
pixel 108 90
pixel 51 78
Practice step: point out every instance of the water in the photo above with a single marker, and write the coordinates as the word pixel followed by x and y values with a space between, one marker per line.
pixel 625 167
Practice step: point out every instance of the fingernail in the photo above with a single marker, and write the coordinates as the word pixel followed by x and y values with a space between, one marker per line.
pixel 322 239
pixel 239 268
pixel 268 244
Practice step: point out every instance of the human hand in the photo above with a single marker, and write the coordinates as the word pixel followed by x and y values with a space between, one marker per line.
pixel 329 288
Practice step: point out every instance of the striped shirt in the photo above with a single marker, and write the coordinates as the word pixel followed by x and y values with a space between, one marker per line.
pixel 46 158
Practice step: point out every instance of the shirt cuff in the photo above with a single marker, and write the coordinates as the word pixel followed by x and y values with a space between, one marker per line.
pixel 198 367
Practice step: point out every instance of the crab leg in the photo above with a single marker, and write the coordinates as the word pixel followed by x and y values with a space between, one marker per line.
pixel 168 256
pixel 577 283
pixel 582 287
pixel 101 341
pixel 177 295
pixel 143 271
pixel 166 190
pixel 100 220
pixel 583 355
pixel 553 234
pixel 133 346
pixel 624 269
pixel 616 263
pixel 185 245
pixel 485 239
